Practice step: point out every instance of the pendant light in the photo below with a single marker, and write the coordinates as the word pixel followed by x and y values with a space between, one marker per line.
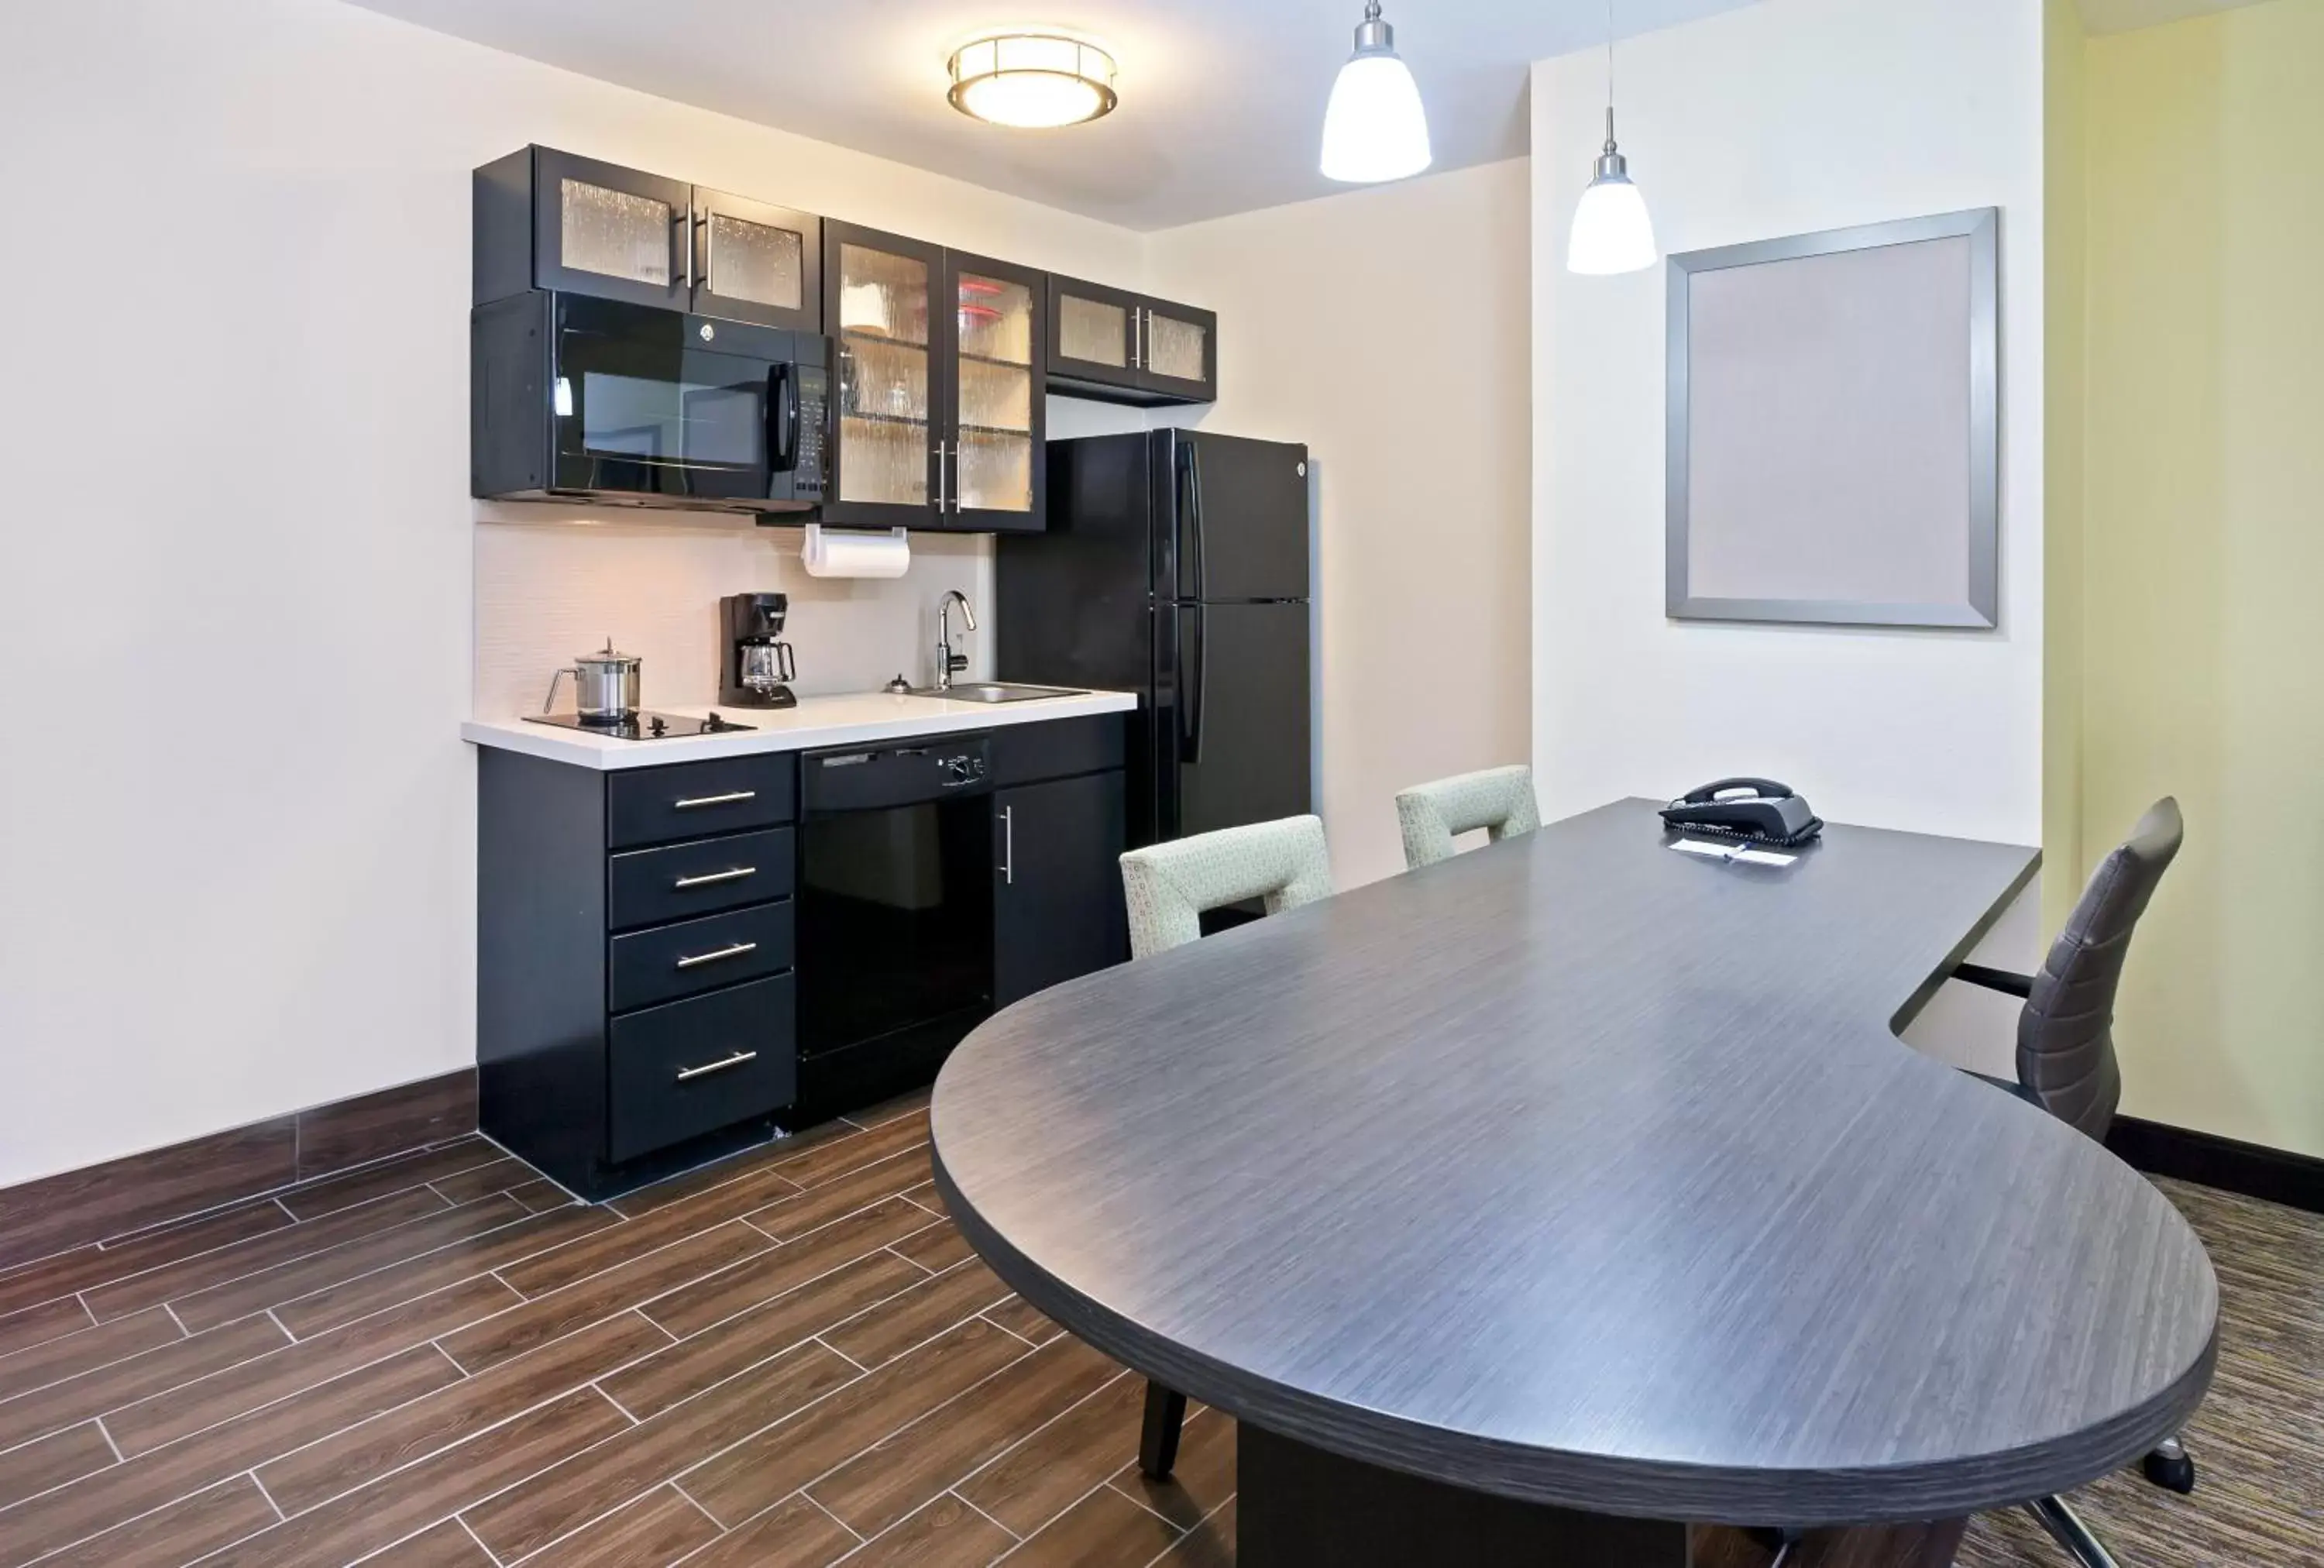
pixel 1373 127
pixel 1611 231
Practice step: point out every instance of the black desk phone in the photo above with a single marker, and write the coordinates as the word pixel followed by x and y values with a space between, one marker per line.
pixel 1758 810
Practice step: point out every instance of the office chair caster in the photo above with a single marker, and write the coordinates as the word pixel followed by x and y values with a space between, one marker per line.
pixel 2170 1466
pixel 1780 1541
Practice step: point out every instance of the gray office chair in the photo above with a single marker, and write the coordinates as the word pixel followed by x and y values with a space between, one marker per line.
pixel 1167 886
pixel 2066 1062
pixel 1500 800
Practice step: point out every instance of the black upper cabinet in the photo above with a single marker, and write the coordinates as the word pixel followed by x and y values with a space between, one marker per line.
pixel 996 401
pixel 545 219
pixel 879 297
pixel 1057 907
pixel 939 418
pixel 757 262
pixel 1092 332
pixel 1128 348
pixel 1178 352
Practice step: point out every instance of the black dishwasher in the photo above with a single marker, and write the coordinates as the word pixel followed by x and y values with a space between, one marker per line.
pixel 895 917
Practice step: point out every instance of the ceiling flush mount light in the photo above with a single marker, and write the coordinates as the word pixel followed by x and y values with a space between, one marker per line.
pixel 1611 231
pixel 1373 127
pixel 1033 80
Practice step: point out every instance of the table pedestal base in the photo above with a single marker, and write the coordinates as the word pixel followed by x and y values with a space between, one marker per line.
pixel 1298 1507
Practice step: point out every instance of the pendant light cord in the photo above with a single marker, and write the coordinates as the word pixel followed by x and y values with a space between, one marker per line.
pixel 1609 76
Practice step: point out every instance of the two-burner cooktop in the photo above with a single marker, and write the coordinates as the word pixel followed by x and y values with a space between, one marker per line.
pixel 641 725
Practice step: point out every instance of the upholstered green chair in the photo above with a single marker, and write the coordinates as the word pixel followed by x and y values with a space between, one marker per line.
pixel 1167 886
pixel 1499 800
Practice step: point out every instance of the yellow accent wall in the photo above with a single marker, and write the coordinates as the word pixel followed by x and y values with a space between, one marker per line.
pixel 2200 666
pixel 2065 262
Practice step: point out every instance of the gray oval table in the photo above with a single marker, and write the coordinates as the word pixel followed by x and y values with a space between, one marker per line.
pixel 1571 1190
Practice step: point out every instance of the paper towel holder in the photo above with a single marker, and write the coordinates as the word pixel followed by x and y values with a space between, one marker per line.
pixel 812 550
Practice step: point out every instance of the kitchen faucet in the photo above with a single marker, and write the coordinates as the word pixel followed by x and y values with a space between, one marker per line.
pixel 949 663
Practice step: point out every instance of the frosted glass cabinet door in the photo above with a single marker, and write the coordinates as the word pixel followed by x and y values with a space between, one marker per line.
pixel 611 232
pixel 1093 336
pixel 1178 352
pixel 879 293
pixel 997 399
pixel 757 262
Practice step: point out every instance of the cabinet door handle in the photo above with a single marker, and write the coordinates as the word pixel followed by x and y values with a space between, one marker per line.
pixel 1008 845
pixel 736 1060
pixel 706 878
pixel 735 950
pixel 1136 336
pixel 729 799
pixel 940 478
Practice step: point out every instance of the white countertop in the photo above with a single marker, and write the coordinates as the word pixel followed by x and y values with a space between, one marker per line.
pixel 816 721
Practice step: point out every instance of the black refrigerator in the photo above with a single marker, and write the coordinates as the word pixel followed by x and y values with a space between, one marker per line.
pixel 1175 565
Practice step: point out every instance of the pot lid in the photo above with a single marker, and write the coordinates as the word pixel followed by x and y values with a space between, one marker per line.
pixel 607 656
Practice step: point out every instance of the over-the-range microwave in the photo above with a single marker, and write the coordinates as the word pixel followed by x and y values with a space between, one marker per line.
pixel 597 400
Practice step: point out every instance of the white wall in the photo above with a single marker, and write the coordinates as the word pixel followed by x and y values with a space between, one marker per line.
pixel 553 580
pixel 1780 118
pixel 550 588
pixel 236 820
pixel 1386 328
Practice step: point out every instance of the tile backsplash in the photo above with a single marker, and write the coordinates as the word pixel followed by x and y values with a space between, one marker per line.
pixel 551 585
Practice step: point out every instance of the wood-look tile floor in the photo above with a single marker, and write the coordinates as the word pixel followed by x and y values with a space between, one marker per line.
pixel 788 1360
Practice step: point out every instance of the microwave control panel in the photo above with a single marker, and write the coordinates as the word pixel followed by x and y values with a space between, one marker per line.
pixel 815 413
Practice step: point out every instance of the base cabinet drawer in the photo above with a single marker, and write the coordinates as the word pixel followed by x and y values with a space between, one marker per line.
pixel 664 963
pixel 656 805
pixel 646 887
pixel 688 1067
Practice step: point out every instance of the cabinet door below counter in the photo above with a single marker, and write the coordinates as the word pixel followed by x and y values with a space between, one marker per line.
pixel 1058 905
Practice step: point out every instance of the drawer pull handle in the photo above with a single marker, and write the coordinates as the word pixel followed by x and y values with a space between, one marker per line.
pixel 706 878
pixel 736 1060
pixel 728 799
pixel 735 950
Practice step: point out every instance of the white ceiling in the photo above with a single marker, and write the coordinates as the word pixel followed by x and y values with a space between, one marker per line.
pixel 1221 100
pixel 2122 15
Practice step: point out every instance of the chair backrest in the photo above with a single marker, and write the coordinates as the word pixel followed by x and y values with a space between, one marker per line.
pixel 1167 886
pixel 2065 1035
pixel 1499 800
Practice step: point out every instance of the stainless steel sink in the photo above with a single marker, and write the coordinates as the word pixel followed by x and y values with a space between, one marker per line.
pixel 994 691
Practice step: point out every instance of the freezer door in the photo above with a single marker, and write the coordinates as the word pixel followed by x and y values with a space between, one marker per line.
pixel 1239 514
pixel 1235 718
pixel 1073 602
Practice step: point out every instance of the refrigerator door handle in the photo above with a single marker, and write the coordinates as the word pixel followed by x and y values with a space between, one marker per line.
pixel 1194 502
pixel 1194 549
pixel 1194 675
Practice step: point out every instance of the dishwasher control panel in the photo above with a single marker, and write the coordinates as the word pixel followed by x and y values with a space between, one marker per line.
pixel 875 777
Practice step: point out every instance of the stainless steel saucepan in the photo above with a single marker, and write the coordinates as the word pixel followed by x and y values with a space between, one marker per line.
pixel 605 686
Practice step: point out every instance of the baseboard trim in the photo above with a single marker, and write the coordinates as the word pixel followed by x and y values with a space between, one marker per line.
pixel 2253 1169
pixel 55 1214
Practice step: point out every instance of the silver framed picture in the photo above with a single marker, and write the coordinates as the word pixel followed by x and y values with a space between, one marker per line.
pixel 1834 427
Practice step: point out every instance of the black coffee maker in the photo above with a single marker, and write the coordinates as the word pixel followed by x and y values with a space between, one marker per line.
pixel 757 667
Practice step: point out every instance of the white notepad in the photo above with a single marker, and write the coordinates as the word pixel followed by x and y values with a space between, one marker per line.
pixel 1742 851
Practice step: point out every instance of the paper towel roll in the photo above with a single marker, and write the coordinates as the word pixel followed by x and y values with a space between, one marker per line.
pixel 850 553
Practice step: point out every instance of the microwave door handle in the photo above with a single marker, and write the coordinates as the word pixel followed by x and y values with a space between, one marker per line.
pixel 790 416
pixel 783 418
